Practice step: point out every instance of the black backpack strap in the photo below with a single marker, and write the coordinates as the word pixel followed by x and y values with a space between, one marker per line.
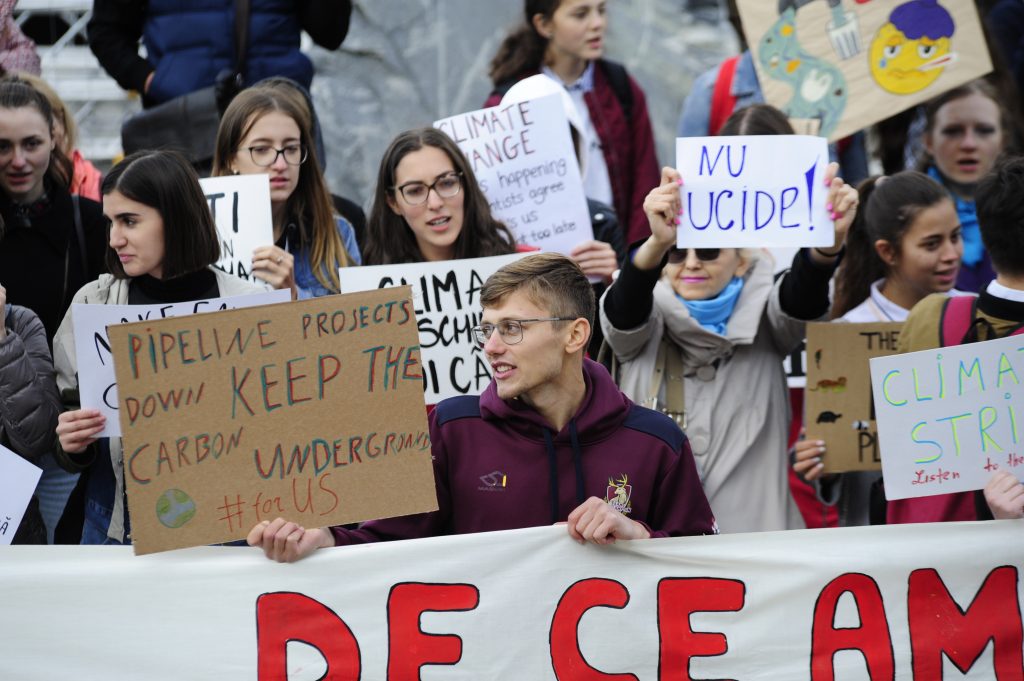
pixel 618 78
pixel 80 234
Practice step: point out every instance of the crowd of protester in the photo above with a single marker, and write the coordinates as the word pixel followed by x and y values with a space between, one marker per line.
pixel 691 386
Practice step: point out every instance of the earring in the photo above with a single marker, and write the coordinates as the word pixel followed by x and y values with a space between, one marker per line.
pixel 235 172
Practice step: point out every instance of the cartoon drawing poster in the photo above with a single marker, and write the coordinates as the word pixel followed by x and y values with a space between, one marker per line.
pixel 837 66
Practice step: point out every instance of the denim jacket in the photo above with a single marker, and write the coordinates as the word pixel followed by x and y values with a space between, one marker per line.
pixel 305 279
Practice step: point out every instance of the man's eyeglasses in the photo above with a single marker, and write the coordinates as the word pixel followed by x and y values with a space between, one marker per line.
pixel 266 156
pixel 510 330
pixel 416 193
pixel 678 255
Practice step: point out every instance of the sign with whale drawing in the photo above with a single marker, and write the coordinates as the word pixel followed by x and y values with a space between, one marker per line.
pixel 838 407
pixel 760 190
pixel 841 65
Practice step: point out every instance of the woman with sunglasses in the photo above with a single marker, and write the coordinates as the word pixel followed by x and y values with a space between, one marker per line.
pixel 702 333
pixel 428 206
pixel 267 129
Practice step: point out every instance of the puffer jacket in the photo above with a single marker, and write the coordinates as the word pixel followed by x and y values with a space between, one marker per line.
pixel 28 402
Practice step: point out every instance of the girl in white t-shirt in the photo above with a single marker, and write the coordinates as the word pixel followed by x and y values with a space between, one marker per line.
pixel 904 245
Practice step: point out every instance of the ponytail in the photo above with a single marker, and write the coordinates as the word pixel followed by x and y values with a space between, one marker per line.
pixel 522 51
pixel 862 265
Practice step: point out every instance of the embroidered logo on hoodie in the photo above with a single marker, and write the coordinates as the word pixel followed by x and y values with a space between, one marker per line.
pixel 618 494
pixel 495 481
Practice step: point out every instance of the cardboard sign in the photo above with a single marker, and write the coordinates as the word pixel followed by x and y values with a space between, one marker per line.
pixel 18 480
pixel 927 602
pixel 241 208
pixel 523 158
pixel 446 296
pixel 949 418
pixel 96 383
pixel 839 408
pixel 764 190
pixel 312 411
pixel 847 65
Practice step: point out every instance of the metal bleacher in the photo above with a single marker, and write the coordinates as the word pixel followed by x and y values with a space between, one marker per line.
pixel 97 102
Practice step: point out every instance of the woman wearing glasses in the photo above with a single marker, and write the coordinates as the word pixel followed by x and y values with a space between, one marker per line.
pixel 267 129
pixel 703 338
pixel 428 205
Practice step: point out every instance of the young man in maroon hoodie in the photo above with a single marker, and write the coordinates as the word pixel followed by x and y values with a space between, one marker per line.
pixel 551 440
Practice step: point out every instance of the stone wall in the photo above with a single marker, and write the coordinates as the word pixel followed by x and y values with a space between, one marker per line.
pixel 407 63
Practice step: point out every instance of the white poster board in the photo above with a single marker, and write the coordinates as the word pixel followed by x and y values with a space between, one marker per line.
pixel 447 304
pixel 96 383
pixel 524 161
pixel 899 602
pixel 753 191
pixel 949 418
pixel 18 480
pixel 241 208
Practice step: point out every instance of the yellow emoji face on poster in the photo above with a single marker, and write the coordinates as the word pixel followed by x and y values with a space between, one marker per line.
pixel 911 50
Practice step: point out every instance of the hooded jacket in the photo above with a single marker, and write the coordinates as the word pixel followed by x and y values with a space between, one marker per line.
pixel 498 465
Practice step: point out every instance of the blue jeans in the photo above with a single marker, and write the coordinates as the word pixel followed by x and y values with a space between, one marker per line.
pixel 55 486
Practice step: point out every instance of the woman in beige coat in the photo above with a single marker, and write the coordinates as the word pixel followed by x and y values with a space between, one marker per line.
pixel 727 325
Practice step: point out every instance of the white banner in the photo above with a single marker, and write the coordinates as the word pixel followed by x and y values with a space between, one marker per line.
pixel 523 158
pixel 763 190
pixel 241 208
pixel 948 418
pixel 18 480
pixel 850 604
pixel 447 299
pixel 96 383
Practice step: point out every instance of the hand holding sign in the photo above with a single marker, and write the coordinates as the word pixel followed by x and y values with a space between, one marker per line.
pixel 79 428
pixel 842 203
pixel 275 266
pixel 1004 495
pixel 663 207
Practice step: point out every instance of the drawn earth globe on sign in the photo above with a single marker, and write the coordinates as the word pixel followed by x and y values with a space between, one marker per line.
pixel 174 508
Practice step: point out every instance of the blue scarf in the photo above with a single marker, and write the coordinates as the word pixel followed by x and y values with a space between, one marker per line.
pixel 974 249
pixel 713 314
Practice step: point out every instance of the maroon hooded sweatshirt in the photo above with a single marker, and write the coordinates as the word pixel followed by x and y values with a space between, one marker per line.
pixel 498 465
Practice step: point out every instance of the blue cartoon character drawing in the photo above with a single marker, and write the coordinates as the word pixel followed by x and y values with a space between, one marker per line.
pixel 911 50
pixel 819 88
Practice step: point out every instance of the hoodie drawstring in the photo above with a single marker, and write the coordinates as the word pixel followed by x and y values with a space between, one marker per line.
pixel 553 475
pixel 577 460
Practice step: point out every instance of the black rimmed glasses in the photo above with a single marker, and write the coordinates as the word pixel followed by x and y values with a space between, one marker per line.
pixel 678 255
pixel 266 156
pixel 510 330
pixel 446 186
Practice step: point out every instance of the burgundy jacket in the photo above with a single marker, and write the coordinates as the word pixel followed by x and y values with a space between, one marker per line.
pixel 499 466
pixel 628 150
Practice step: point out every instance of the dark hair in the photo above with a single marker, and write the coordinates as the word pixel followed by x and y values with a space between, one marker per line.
pixel 15 94
pixel 550 280
pixel 522 50
pixel 757 119
pixel 310 204
pixel 166 182
pixel 999 201
pixel 975 87
pixel 889 206
pixel 389 239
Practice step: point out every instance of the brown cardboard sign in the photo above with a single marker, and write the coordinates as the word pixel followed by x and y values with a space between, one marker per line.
pixel 312 411
pixel 838 405
pixel 851 64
